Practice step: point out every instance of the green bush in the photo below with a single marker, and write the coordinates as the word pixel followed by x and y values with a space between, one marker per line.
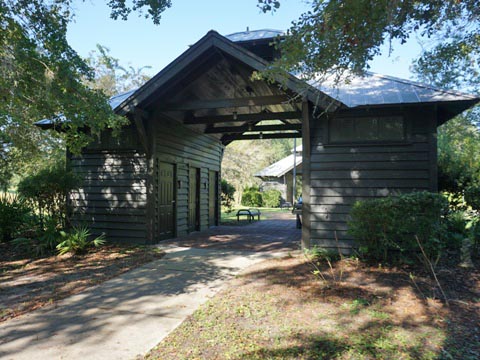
pixel 271 198
pixel 14 215
pixel 47 191
pixel 43 242
pixel 386 229
pixel 252 197
pixel 78 240
pixel 228 190
pixel 472 196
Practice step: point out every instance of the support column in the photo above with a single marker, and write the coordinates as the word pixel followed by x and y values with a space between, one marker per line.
pixel 306 116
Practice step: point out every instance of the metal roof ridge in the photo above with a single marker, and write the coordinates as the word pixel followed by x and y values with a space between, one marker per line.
pixel 249 31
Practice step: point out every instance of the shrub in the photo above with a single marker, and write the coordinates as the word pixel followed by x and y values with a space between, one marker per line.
pixel 271 198
pixel 386 229
pixel 78 241
pixel 14 214
pixel 47 191
pixel 252 197
pixel 42 243
pixel 227 195
pixel 472 196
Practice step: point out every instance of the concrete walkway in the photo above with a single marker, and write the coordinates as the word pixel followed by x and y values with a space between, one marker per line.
pixel 127 316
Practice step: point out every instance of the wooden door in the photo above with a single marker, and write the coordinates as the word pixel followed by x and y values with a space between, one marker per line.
pixel 212 198
pixel 194 199
pixel 165 200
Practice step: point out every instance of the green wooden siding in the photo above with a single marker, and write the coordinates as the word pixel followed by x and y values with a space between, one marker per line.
pixel 176 144
pixel 112 198
pixel 343 174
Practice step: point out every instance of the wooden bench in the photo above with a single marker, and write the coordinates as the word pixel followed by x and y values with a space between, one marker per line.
pixel 249 213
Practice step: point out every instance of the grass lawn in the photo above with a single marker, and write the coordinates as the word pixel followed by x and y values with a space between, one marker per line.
pixel 29 283
pixel 279 309
pixel 231 217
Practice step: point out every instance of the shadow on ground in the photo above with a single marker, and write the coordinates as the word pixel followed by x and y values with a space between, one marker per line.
pixel 127 315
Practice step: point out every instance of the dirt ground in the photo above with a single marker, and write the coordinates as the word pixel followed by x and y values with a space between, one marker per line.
pixel 28 283
pixel 282 309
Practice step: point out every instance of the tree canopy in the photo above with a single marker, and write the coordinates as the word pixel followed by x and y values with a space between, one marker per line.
pixel 340 35
pixel 42 76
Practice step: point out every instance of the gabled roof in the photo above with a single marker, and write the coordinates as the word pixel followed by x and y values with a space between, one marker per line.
pixel 361 91
pixel 213 40
pixel 279 168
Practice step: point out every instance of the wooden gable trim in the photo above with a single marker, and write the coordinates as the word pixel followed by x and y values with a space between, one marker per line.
pixel 213 39
pixel 246 128
pixel 226 103
pixel 229 138
pixel 210 120
pixel 138 116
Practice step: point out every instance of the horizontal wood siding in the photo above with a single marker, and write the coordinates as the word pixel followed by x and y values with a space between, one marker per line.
pixel 112 198
pixel 343 174
pixel 177 144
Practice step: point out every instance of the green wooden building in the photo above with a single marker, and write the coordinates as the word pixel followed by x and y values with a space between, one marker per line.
pixel 371 137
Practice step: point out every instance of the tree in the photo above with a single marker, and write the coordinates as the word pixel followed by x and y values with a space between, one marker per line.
pixel 344 35
pixel 109 76
pixel 41 76
pixel 239 166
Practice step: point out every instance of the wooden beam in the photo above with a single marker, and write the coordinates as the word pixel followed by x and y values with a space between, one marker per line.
pixel 306 148
pixel 245 128
pixel 243 117
pixel 227 103
pixel 230 138
pixel 138 117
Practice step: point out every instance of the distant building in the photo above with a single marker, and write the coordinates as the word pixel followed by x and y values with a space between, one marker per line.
pixel 279 175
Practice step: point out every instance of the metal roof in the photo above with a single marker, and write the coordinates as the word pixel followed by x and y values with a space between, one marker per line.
pixel 376 89
pixel 254 35
pixel 114 101
pixel 298 149
pixel 368 90
pixel 279 168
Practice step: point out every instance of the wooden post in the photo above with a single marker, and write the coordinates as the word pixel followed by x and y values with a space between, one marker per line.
pixel 138 118
pixel 151 187
pixel 306 233
pixel 432 143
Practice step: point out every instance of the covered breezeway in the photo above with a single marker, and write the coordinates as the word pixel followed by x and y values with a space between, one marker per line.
pixel 274 234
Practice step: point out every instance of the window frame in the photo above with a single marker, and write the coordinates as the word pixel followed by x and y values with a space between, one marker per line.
pixel 403 141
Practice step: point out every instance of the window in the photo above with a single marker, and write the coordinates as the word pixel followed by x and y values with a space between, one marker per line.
pixel 367 129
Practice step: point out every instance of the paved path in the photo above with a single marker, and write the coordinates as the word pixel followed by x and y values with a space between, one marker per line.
pixel 128 315
pixel 278 233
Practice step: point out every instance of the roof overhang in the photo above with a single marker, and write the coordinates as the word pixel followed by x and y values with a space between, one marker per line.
pixel 214 41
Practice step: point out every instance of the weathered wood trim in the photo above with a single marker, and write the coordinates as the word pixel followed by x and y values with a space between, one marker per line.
pixel 138 117
pixel 245 128
pixel 151 164
pixel 230 138
pixel 287 115
pixel 306 230
pixel 226 103
pixel 432 142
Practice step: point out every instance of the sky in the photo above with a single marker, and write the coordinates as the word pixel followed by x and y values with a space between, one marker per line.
pixel 138 42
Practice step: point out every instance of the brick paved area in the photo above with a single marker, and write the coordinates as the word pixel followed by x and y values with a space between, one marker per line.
pixel 276 233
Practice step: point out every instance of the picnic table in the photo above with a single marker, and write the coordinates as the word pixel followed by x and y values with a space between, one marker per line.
pixel 249 213
pixel 286 205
